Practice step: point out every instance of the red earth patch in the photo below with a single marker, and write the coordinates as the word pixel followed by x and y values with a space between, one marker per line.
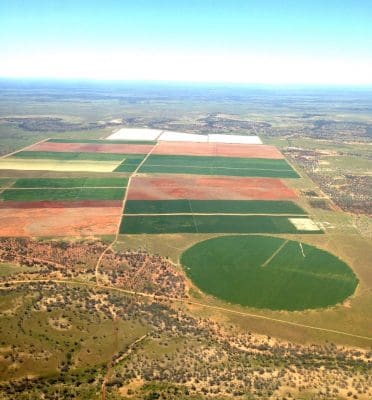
pixel 59 221
pixel 92 148
pixel 218 150
pixel 170 187
pixel 60 204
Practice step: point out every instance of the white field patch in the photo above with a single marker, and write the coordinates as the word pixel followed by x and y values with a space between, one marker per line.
pixel 172 136
pixel 241 139
pixel 58 165
pixel 135 134
pixel 304 224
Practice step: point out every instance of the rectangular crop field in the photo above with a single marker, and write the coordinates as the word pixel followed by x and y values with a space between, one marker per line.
pixel 135 134
pixel 172 136
pixel 193 187
pixel 206 224
pixel 69 182
pixel 84 221
pixel 130 164
pixel 62 194
pixel 100 141
pixel 35 164
pixel 218 150
pixel 95 148
pixel 67 156
pixel 229 166
pixel 211 207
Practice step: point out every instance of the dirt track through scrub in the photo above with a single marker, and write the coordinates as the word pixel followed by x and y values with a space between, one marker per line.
pixel 188 302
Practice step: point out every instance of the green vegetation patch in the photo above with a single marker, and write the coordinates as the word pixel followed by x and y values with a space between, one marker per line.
pixel 130 163
pixel 101 141
pixel 268 272
pixel 229 166
pixel 69 182
pixel 4 182
pixel 157 224
pixel 212 206
pixel 207 224
pixel 62 194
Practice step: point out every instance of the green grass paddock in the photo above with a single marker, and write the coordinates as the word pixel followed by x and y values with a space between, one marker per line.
pixel 212 206
pixel 138 224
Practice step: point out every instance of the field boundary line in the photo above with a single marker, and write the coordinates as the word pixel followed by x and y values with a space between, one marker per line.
pixel 70 187
pixel 275 253
pixel 181 300
pixel 24 148
pixel 219 213
pixel 193 216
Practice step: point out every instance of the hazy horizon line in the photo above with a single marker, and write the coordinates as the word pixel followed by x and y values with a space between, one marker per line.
pixel 184 82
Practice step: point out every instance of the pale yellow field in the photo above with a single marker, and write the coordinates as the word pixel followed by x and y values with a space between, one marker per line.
pixel 58 165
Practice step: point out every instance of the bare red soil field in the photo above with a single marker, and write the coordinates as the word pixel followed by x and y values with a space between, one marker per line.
pixel 60 204
pixel 59 221
pixel 218 150
pixel 92 148
pixel 208 188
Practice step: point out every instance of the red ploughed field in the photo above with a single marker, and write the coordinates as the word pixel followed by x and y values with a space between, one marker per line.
pixel 170 187
pixel 60 204
pixel 84 221
pixel 218 150
pixel 92 148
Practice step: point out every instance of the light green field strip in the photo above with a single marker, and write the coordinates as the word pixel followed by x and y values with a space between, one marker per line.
pixel 58 165
pixel 60 183
pixel 46 194
pixel 228 166
pixel 212 207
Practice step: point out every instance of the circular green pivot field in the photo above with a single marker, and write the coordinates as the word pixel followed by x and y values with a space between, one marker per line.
pixel 268 272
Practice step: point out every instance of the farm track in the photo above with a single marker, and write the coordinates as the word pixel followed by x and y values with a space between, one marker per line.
pixel 277 251
pixel 183 301
pixel 109 247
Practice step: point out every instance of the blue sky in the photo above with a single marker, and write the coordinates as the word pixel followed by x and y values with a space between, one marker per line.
pixel 267 41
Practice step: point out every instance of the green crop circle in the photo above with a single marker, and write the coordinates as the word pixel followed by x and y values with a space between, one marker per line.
pixel 268 272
